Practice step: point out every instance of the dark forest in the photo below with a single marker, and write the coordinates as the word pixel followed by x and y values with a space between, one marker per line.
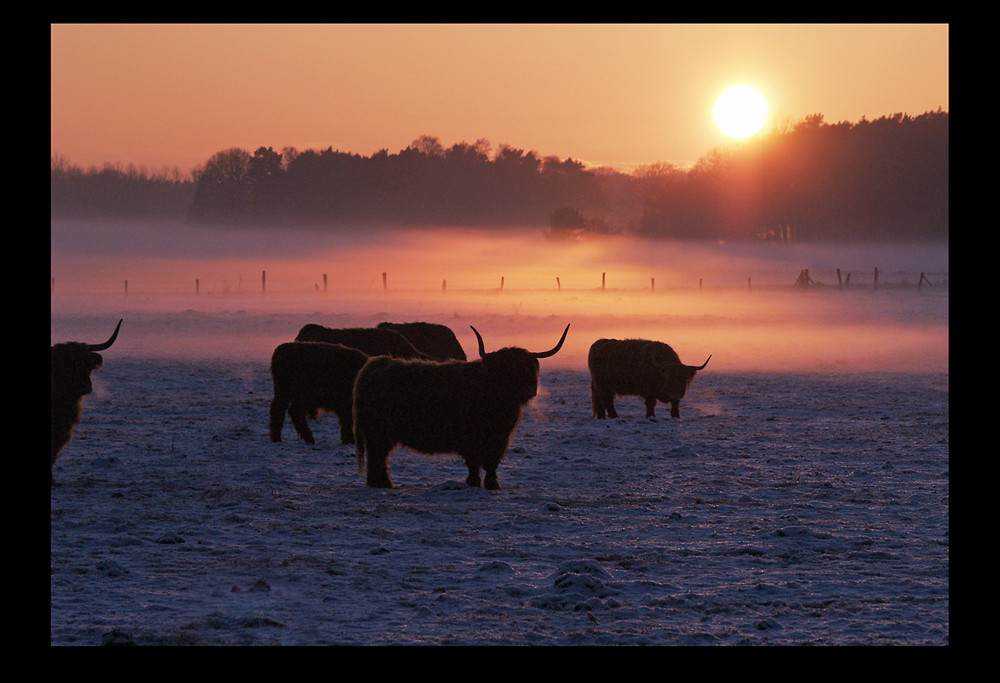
pixel 884 179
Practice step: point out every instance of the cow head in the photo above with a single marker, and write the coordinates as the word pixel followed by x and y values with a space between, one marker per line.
pixel 72 363
pixel 514 370
pixel 676 377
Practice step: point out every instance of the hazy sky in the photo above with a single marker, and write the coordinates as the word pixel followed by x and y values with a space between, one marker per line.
pixel 172 95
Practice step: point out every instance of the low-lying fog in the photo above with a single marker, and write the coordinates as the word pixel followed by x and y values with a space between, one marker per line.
pixel 222 292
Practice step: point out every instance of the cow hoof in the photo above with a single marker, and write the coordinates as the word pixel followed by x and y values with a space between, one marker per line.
pixel 380 482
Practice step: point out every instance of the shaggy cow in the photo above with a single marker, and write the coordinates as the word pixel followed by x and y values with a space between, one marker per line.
pixel 71 365
pixel 313 376
pixel 437 342
pixel 637 367
pixel 371 340
pixel 468 408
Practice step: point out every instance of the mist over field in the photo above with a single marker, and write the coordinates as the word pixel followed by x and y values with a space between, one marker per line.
pixel 239 292
pixel 801 499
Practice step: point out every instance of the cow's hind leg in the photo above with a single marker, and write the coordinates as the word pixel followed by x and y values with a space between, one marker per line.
pixel 650 406
pixel 490 464
pixel 278 407
pixel 473 478
pixel 346 432
pixel 608 399
pixel 595 401
pixel 378 465
pixel 298 415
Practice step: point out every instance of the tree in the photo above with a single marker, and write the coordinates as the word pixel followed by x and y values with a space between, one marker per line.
pixel 221 192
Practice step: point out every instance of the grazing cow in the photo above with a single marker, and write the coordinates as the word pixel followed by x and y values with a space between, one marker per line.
pixel 71 365
pixel 437 342
pixel 469 408
pixel 637 367
pixel 371 340
pixel 313 376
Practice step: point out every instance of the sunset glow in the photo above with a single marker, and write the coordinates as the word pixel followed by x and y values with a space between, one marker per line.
pixel 619 94
pixel 740 111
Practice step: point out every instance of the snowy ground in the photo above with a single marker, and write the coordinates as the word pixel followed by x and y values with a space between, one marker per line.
pixel 802 498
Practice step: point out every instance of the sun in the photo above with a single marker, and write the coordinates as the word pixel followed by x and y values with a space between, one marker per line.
pixel 740 111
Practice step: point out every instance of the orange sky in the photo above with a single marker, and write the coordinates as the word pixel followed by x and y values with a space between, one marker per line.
pixel 619 94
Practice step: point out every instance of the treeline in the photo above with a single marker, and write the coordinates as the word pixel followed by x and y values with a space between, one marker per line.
pixel 880 179
pixel 424 184
pixel 119 191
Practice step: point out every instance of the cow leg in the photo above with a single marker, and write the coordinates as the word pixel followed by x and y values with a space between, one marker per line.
pixel 278 407
pixel 490 482
pixel 604 401
pixel 378 466
pixel 675 409
pixel 490 464
pixel 473 478
pixel 298 415
pixel 596 402
pixel 472 463
pixel 346 430
pixel 650 407
pixel 609 404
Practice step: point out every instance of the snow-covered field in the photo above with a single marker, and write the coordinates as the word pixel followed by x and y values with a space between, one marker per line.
pixel 802 498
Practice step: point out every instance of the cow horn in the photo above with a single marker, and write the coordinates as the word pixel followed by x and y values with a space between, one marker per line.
pixel 482 348
pixel 108 343
pixel 552 352
pixel 702 366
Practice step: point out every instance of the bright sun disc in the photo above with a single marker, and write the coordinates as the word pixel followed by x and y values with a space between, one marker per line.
pixel 740 111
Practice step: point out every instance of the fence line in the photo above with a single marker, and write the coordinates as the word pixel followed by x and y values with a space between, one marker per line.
pixel 603 281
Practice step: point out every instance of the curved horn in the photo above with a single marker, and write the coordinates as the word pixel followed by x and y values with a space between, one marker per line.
pixel 702 366
pixel 552 352
pixel 108 343
pixel 482 349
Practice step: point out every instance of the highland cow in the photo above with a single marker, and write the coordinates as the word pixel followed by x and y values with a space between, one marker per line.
pixel 637 367
pixel 71 365
pixel 468 408
pixel 435 341
pixel 370 340
pixel 313 376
